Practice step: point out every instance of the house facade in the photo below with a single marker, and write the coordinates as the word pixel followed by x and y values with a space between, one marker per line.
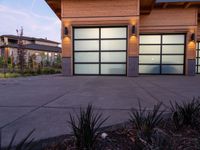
pixel 129 37
pixel 42 50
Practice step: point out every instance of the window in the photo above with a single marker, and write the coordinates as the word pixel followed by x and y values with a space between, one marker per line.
pixel 162 54
pixel 100 50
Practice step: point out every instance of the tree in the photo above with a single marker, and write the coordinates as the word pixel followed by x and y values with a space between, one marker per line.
pixel 21 51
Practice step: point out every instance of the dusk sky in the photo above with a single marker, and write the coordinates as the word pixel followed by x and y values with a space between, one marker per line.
pixel 37 19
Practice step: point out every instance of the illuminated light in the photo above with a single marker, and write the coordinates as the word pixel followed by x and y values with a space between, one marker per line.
pixel 45 53
pixel 192 45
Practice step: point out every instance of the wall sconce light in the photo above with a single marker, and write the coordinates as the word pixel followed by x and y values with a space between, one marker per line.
pixel 66 32
pixel 134 30
pixel 193 37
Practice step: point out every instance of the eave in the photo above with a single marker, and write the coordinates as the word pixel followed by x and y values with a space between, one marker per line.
pixel 146 6
pixel 55 6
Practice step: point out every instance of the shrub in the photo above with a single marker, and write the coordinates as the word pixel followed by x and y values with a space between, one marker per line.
pixel 86 126
pixel 24 144
pixel 145 121
pixel 186 114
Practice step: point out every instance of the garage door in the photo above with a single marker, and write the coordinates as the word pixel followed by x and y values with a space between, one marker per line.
pixel 100 51
pixel 162 54
pixel 198 58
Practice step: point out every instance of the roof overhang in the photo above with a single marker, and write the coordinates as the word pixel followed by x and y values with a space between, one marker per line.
pixel 55 6
pixel 146 6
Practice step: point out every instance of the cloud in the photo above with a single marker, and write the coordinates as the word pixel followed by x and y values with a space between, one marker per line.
pixel 34 25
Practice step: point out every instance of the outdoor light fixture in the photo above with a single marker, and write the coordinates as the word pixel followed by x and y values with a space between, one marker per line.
pixel 66 32
pixel 133 30
pixel 193 37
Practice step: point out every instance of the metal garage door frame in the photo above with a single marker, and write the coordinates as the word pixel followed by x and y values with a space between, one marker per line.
pixel 161 52
pixel 198 58
pixel 100 51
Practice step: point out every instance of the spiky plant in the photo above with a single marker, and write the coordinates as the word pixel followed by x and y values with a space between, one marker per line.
pixel 24 144
pixel 186 114
pixel 145 121
pixel 86 126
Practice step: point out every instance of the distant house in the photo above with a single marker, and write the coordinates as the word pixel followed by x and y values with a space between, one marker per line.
pixel 42 49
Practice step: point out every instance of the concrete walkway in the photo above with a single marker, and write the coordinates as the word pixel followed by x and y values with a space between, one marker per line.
pixel 43 103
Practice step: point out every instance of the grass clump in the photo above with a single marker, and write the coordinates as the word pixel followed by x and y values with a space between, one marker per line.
pixel 86 128
pixel 186 114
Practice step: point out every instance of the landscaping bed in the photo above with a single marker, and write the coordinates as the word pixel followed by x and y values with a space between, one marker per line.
pixel 124 137
pixel 29 72
pixel 156 129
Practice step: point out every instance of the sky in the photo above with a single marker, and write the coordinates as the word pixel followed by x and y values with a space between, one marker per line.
pixel 35 16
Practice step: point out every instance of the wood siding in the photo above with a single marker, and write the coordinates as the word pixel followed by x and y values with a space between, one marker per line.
pixel 99 8
pixel 169 19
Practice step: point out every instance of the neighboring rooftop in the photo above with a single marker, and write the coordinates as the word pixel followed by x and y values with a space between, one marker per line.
pixel 30 38
pixel 36 47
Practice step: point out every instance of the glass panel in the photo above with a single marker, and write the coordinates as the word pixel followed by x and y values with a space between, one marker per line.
pixel 86 33
pixel 113 32
pixel 88 45
pixel 149 59
pixel 113 69
pixel 150 39
pixel 173 49
pixel 86 69
pixel 149 49
pixel 86 57
pixel 199 69
pixel 149 69
pixel 113 57
pixel 172 69
pixel 199 61
pixel 196 61
pixel 172 59
pixel 113 45
pixel 173 39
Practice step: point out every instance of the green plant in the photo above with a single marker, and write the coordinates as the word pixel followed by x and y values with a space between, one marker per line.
pixel 86 126
pixel 24 144
pixel 145 121
pixel 186 114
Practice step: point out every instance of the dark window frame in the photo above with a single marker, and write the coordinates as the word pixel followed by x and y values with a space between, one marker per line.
pixel 198 58
pixel 161 54
pixel 100 51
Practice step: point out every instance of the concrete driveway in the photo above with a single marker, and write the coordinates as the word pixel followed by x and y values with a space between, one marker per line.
pixel 43 103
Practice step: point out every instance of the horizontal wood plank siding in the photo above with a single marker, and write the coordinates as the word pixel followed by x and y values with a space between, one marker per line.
pixel 99 8
pixel 164 19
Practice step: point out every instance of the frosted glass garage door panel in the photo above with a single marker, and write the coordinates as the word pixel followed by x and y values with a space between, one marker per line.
pixel 113 32
pixel 113 69
pixel 149 69
pixel 148 49
pixel 172 59
pixel 173 39
pixel 86 57
pixel 86 68
pixel 113 57
pixel 150 39
pixel 149 59
pixel 173 49
pixel 172 69
pixel 87 33
pixel 113 45
pixel 89 45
